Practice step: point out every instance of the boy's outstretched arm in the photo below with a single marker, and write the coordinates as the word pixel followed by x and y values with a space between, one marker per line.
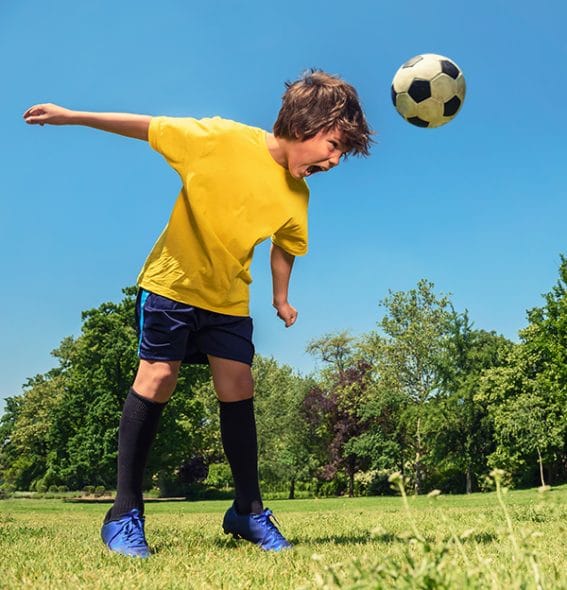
pixel 122 123
pixel 281 263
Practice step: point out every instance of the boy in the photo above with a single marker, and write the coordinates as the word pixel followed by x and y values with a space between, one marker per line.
pixel 241 185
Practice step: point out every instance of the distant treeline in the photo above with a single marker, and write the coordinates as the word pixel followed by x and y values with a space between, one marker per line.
pixel 424 393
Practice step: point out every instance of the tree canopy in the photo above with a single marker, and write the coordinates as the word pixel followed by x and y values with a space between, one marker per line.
pixel 424 393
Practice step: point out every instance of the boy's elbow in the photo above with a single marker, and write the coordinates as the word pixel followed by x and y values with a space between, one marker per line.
pixel 282 252
pixel 143 128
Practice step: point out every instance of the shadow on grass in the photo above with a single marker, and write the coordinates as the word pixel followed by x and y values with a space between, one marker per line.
pixel 229 542
pixel 481 538
pixel 386 538
pixel 353 539
pixel 390 538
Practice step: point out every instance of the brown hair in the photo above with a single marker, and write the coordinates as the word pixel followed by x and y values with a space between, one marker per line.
pixel 322 102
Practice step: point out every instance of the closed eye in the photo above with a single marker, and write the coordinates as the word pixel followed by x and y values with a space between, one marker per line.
pixel 337 146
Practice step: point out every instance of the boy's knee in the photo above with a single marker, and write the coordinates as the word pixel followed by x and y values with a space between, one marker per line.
pixel 156 379
pixel 164 375
pixel 234 388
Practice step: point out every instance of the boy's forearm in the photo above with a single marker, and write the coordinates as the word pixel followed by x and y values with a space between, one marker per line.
pixel 127 124
pixel 281 264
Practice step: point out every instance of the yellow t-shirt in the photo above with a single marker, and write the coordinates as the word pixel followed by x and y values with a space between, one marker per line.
pixel 234 196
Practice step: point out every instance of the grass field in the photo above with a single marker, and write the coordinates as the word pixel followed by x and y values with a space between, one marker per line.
pixel 448 542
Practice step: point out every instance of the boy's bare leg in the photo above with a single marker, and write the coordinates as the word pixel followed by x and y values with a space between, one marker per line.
pixel 232 379
pixel 234 386
pixel 156 380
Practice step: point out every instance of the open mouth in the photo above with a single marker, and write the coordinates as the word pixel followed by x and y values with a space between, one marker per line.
pixel 313 169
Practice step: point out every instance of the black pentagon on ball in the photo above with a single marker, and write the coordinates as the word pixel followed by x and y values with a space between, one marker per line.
pixel 451 106
pixel 420 90
pixel 418 122
pixel 449 68
pixel 394 94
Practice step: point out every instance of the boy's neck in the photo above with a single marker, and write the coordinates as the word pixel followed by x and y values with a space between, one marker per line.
pixel 277 148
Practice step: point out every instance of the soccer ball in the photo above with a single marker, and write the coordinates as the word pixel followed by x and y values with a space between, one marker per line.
pixel 428 90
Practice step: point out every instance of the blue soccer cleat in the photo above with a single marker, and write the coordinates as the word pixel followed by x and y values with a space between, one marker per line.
pixel 256 528
pixel 126 535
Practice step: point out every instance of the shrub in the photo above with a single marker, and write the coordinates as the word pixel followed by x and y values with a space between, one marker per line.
pixel 40 487
pixel 53 489
pixel 334 487
pixel 7 490
pixel 195 470
pixel 219 476
pixel 373 483
pixel 99 491
pixel 487 483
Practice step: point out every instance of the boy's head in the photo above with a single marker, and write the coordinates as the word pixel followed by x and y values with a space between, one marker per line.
pixel 320 102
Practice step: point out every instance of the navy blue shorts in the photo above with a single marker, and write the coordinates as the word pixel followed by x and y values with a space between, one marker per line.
pixel 172 331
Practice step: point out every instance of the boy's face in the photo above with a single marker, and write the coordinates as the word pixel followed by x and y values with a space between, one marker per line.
pixel 318 154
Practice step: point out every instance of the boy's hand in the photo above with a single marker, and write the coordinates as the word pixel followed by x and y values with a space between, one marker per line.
pixel 286 313
pixel 40 114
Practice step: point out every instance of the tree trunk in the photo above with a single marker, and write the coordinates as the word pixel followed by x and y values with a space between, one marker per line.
pixel 350 471
pixel 292 489
pixel 469 480
pixel 417 484
pixel 540 461
pixel 469 461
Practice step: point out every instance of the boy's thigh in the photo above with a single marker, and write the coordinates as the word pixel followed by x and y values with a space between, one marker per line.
pixel 156 380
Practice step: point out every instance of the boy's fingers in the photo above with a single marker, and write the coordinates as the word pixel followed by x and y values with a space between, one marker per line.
pixel 30 111
pixel 34 120
pixel 37 109
pixel 291 320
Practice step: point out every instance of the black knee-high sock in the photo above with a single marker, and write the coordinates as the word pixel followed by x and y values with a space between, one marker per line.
pixel 238 433
pixel 138 428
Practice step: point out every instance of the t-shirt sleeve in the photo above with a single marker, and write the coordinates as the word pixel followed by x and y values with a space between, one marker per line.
pixel 180 140
pixel 292 237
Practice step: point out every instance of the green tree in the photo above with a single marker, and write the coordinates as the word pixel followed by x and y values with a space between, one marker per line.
pixel 545 342
pixel 463 432
pixel 8 452
pixel 415 333
pixel 333 407
pixel 283 441
pixel 99 369
pixel 63 430
pixel 25 455
pixel 527 398
pixel 525 426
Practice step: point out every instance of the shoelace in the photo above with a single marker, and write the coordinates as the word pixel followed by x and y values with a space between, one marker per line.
pixel 134 532
pixel 268 519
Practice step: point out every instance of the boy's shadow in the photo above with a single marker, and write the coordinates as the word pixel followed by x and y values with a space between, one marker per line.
pixel 354 539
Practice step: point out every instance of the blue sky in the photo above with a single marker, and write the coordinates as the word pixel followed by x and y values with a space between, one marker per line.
pixel 479 206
